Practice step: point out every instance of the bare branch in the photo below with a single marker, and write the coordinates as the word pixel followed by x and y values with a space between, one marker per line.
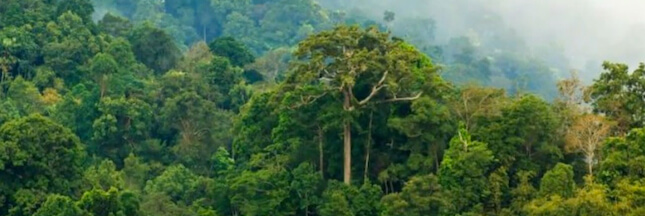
pixel 328 74
pixel 375 89
pixel 395 99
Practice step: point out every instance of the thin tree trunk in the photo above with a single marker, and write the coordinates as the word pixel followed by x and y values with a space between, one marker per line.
pixel 528 151
pixel 307 211
pixel 321 152
pixel 435 152
pixel 590 164
pixel 347 136
pixel 347 142
pixel 368 148
pixel 387 191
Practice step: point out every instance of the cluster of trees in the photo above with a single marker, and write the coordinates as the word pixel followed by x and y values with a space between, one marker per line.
pixel 113 117
pixel 262 25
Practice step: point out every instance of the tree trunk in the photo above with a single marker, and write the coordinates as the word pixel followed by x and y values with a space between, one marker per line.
pixel 347 136
pixel 590 164
pixel 387 189
pixel 528 151
pixel 347 142
pixel 321 152
pixel 103 87
pixel 368 147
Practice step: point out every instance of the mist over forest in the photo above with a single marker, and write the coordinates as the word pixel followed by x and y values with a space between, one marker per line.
pixel 577 35
pixel 322 108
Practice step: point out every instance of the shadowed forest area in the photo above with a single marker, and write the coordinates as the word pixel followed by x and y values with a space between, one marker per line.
pixel 301 107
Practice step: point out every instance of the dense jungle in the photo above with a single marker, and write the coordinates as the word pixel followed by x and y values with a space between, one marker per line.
pixel 306 107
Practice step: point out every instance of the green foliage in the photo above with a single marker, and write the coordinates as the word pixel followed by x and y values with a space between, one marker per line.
pixel 421 195
pixel 201 127
pixel 160 204
pixel 558 181
pixel 616 94
pixel 77 111
pixel 622 157
pixel 121 126
pixel 524 192
pixel 25 97
pixel 135 172
pixel 102 68
pixel 498 185
pixel 234 51
pixel 525 136
pixel 115 25
pixel 223 77
pixel 462 173
pixel 263 192
pixel 177 182
pixel 37 153
pixel 100 202
pixel 103 176
pixel 342 199
pixel 306 185
pixel 83 8
pixel 71 44
pixel 20 51
pixel 57 205
pixel 110 202
pixel 590 200
pixel 154 48
pixel 8 111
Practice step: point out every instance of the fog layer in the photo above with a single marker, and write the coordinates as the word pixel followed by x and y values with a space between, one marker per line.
pixel 587 32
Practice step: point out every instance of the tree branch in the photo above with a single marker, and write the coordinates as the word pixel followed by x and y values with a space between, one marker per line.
pixel 395 99
pixel 375 89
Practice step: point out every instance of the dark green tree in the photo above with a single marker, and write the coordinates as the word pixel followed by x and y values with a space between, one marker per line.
pixel 343 199
pixel 37 153
pixel 462 173
pixel 558 181
pixel 57 205
pixel 233 50
pixel 122 125
pixel 421 195
pixel 154 48
pixel 524 137
pixel 115 25
pixel 617 94
pixel 82 8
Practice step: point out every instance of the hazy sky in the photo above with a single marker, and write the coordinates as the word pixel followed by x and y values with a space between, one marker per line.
pixel 589 31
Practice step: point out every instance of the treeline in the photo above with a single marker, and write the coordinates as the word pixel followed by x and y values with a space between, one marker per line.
pixel 491 53
pixel 118 117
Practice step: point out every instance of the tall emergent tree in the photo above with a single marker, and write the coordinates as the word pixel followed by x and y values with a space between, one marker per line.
pixel 358 68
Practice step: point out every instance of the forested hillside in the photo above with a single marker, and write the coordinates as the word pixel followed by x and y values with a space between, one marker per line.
pixel 295 107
